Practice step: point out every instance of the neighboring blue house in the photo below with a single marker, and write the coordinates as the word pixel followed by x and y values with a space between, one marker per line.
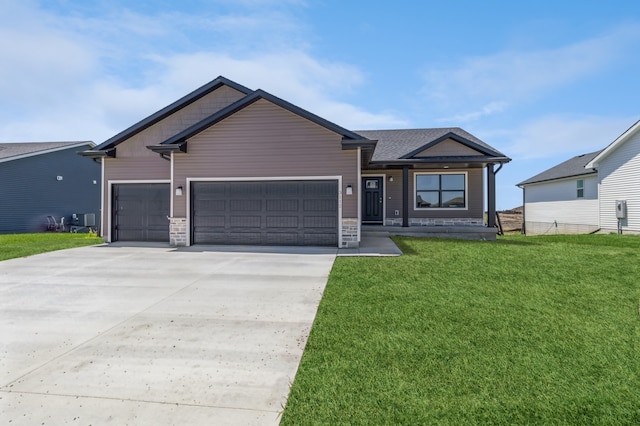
pixel 40 179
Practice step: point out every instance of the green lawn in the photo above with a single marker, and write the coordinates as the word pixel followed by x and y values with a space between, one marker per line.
pixel 524 330
pixel 20 245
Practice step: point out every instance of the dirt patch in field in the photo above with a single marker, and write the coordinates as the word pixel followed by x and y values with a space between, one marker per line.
pixel 511 220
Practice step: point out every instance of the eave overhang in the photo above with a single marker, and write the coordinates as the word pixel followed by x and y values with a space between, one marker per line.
pixel 177 148
pixel 368 144
pixel 440 162
pixel 102 153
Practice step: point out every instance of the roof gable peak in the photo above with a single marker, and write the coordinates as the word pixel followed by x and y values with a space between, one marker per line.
pixel 171 109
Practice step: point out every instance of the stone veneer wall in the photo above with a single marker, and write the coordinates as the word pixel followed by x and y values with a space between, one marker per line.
pixel 350 233
pixel 178 231
pixel 460 221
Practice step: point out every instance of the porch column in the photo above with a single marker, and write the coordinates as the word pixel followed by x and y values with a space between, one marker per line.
pixel 405 196
pixel 491 197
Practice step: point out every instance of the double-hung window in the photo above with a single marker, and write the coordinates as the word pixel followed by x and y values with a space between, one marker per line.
pixel 440 191
pixel 580 188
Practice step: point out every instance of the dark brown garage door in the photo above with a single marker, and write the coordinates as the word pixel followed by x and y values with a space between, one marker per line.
pixel 265 213
pixel 140 212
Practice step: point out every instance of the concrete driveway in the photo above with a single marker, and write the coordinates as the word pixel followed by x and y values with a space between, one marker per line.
pixel 154 335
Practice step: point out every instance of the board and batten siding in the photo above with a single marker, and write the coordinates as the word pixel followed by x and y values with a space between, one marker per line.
pixel 134 161
pixel 30 190
pixel 264 140
pixel 619 174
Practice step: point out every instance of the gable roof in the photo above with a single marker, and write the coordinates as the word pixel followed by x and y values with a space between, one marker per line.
pixel 16 150
pixel 245 102
pixel 620 140
pixel 403 144
pixel 170 109
pixel 573 167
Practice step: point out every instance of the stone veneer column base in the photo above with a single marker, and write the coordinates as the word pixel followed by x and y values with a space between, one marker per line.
pixel 178 231
pixel 350 233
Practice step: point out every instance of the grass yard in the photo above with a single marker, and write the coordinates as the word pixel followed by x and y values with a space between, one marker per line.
pixel 524 330
pixel 20 245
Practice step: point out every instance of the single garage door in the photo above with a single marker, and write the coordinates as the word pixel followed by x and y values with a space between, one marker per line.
pixel 140 212
pixel 265 213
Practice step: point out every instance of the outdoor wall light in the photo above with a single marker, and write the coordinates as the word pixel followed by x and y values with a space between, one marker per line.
pixel 390 178
pixel 58 177
pixel 179 190
pixel 349 190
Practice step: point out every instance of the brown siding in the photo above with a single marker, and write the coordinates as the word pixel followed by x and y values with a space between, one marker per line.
pixel 135 162
pixel 448 147
pixel 475 195
pixel 264 140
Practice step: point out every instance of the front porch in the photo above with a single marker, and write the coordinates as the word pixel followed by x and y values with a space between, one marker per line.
pixel 482 233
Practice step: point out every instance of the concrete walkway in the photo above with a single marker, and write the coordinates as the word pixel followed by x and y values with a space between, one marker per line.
pixel 153 335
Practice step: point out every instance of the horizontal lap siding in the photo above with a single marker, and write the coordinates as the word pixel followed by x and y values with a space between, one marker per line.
pixel 262 141
pixel 575 212
pixel 620 180
pixel 134 161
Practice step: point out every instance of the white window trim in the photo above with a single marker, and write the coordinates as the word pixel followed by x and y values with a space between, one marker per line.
pixel 431 209
pixel 579 187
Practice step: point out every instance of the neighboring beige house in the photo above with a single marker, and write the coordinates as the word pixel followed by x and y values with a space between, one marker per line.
pixel 229 165
pixel 595 192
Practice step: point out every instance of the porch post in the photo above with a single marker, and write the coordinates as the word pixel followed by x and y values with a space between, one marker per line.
pixel 405 196
pixel 491 197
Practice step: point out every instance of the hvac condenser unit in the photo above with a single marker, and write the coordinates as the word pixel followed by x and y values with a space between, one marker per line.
pixel 621 209
pixel 86 219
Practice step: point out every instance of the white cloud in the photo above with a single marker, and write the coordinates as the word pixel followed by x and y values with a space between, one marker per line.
pixel 564 136
pixel 512 77
pixel 67 77
pixel 488 109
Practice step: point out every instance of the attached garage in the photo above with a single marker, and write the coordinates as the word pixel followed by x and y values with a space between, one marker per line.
pixel 302 212
pixel 140 212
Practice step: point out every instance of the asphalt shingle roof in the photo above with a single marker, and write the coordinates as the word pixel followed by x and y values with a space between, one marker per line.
pixel 570 168
pixel 395 144
pixel 18 149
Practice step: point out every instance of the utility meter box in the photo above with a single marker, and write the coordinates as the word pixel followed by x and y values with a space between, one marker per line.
pixel 621 209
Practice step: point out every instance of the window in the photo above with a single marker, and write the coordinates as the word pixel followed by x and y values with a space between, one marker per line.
pixel 440 191
pixel 580 186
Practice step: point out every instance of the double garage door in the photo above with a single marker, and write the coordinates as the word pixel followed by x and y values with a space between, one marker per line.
pixel 265 213
pixel 253 213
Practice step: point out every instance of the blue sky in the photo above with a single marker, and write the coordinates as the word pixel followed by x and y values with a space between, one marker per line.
pixel 540 81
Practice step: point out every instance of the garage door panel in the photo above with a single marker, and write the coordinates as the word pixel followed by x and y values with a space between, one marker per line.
pixel 319 222
pixel 140 212
pixel 320 205
pixel 282 222
pixel 283 205
pixel 280 213
pixel 211 205
pixel 245 221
